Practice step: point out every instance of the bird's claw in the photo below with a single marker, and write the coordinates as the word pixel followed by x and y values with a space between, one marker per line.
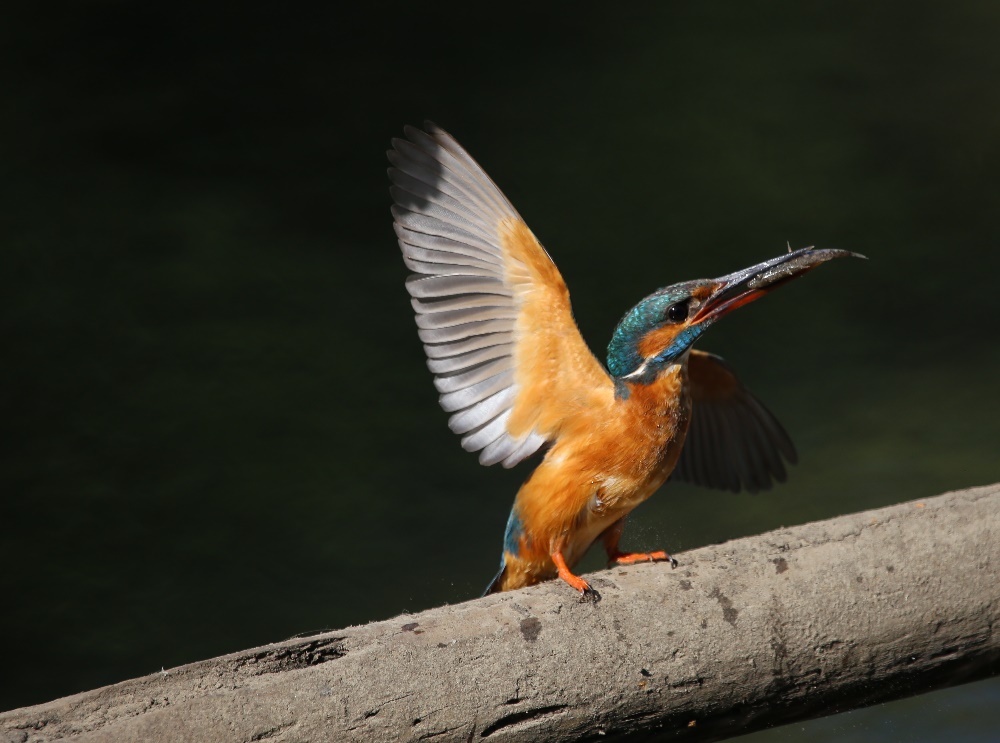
pixel 589 595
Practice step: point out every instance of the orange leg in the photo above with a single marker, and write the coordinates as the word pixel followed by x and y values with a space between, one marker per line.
pixel 586 592
pixel 613 534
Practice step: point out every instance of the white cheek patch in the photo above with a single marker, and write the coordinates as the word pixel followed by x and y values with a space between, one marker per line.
pixel 640 370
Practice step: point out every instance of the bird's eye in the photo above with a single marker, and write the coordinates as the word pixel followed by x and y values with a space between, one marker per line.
pixel 678 312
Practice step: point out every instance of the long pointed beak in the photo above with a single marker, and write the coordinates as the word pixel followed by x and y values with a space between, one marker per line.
pixel 743 287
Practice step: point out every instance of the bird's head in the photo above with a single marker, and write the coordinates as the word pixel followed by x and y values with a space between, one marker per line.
pixel 658 331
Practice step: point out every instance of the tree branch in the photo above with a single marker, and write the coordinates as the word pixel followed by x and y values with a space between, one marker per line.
pixel 791 624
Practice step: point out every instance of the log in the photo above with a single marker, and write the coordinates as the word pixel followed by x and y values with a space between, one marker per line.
pixel 792 624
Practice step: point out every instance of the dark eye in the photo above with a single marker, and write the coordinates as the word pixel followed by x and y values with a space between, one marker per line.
pixel 678 312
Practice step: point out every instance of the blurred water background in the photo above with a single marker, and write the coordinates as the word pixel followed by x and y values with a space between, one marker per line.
pixel 219 428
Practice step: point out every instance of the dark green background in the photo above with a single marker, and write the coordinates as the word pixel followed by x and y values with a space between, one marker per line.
pixel 219 428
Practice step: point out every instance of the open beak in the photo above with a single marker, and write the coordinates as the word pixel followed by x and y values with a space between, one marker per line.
pixel 743 287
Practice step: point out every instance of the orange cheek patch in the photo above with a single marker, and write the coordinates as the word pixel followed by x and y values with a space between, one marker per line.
pixel 657 340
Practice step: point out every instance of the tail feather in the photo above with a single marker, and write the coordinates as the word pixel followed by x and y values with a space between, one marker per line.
pixel 494 586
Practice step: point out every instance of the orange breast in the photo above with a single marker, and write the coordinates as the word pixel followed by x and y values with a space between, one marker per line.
pixel 611 455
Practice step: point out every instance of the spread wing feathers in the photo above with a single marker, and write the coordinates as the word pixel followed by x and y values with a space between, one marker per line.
pixel 492 309
pixel 733 441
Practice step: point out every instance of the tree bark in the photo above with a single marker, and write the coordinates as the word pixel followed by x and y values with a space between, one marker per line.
pixel 795 623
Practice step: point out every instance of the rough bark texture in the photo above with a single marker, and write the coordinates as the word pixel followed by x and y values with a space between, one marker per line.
pixel 795 623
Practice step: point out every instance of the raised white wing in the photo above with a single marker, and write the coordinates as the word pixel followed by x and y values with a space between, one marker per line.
pixel 491 307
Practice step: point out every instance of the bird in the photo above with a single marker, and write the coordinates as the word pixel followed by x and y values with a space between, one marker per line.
pixel 517 378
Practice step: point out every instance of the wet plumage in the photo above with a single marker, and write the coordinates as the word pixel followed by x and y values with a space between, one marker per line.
pixel 514 372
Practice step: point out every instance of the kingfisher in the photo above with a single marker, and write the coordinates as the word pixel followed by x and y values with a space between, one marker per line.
pixel 514 372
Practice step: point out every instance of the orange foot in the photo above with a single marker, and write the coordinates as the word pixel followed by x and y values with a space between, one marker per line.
pixel 630 558
pixel 586 592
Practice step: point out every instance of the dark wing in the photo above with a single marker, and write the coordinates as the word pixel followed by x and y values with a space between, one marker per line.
pixel 492 309
pixel 734 442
